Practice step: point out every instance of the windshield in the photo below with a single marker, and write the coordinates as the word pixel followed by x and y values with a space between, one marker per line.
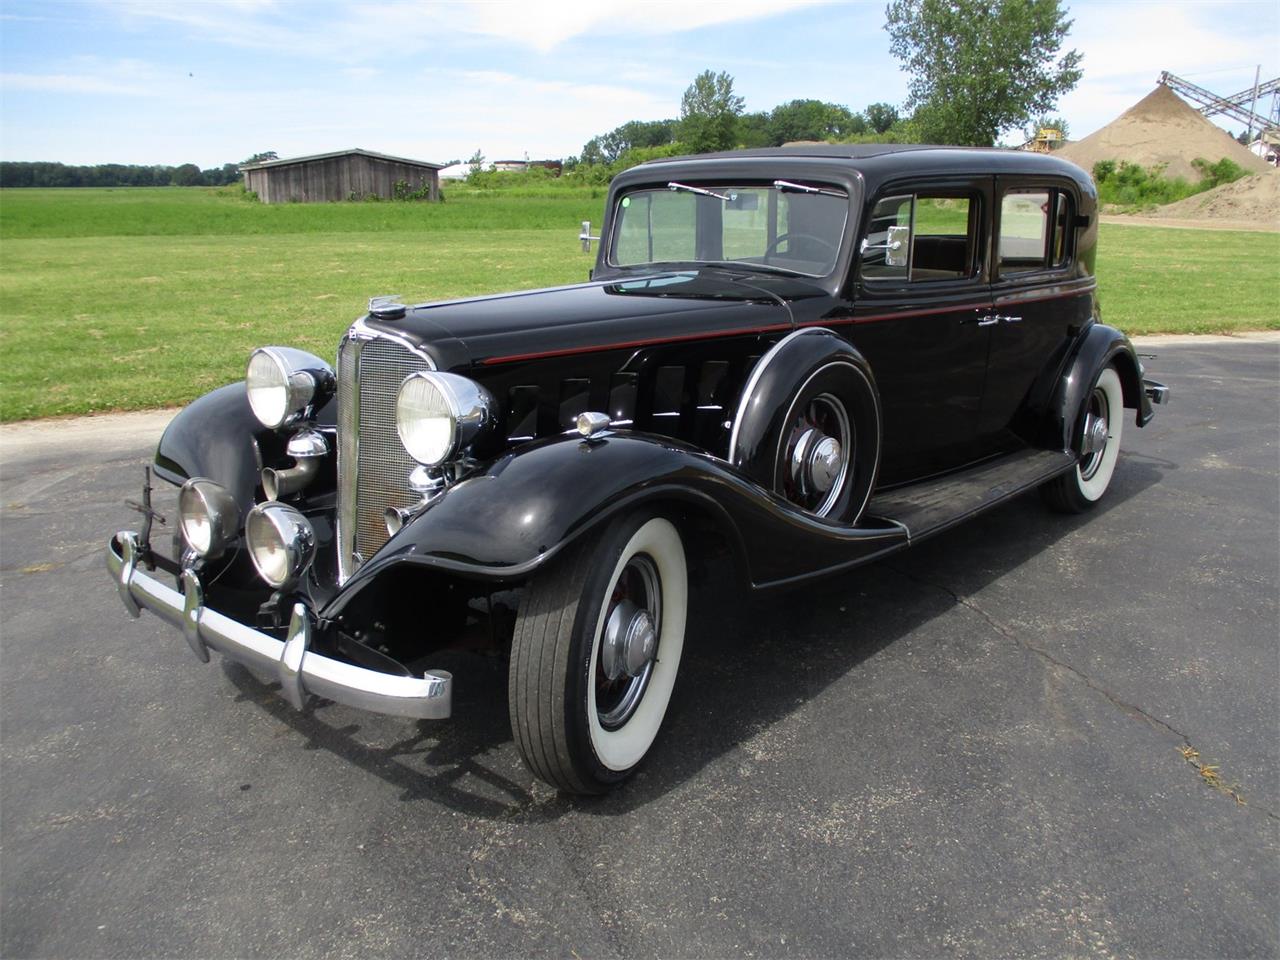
pixel 788 227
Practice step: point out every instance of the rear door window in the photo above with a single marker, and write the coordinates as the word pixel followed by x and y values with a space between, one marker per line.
pixel 1034 231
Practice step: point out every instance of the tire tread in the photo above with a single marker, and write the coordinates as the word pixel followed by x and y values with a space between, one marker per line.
pixel 540 647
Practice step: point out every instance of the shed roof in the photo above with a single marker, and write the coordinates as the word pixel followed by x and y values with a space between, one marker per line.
pixel 354 151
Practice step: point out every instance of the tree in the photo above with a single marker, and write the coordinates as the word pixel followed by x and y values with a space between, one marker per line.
pixel 880 116
pixel 263 157
pixel 809 120
pixel 476 161
pixel 755 130
pixel 709 113
pixel 187 175
pixel 636 134
pixel 981 67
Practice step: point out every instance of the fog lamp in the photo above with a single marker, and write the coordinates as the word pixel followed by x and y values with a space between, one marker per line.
pixel 208 517
pixel 281 542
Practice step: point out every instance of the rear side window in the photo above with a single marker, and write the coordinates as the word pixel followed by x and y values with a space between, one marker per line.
pixel 920 238
pixel 1034 231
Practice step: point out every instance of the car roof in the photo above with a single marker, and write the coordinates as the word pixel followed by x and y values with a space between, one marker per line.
pixel 876 162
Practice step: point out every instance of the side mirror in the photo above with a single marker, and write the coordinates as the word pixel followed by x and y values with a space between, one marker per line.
pixel 896 246
pixel 899 242
pixel 586 237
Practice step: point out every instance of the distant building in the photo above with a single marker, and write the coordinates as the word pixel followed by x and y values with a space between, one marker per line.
pixel 341 175
pixel 1267 147
pixel 521 166
pixel 455 171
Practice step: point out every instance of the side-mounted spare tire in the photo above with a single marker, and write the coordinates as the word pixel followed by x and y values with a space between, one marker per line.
pixel 808 425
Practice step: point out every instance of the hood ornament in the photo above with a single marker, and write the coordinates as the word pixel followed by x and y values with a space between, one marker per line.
pixel 387 307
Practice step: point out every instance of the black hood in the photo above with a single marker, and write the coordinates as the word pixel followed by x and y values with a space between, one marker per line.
pixel 594 316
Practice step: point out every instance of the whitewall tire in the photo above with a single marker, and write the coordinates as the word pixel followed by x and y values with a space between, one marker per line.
pixel 595 653
pixel 1082 487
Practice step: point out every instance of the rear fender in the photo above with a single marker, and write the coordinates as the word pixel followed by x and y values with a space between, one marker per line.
pixel 1099 346
pixel 506 523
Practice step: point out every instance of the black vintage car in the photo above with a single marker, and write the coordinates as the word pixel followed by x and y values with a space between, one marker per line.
pixel 803 358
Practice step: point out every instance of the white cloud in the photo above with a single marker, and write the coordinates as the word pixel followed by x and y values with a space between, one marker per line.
pixel 71 83
pixel 545 24
pixel 356 29
pixel 88 75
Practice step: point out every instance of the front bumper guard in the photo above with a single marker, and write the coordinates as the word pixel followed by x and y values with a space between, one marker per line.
pixel 299 670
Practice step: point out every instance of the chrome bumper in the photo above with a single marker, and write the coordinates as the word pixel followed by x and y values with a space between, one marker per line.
pixel 300 671
pixel 1156 392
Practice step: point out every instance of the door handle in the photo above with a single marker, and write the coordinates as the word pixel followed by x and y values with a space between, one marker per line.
pixel 987 321
pixel 1010 319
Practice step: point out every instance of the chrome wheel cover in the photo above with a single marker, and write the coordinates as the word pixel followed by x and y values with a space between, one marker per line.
pixel 628 642
pixel 1097 433
pixel 818 448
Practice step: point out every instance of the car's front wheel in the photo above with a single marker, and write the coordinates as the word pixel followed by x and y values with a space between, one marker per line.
pixel 595 652
pixel 1079 489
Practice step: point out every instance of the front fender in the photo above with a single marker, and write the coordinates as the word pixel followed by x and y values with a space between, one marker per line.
pixel 1098 347
pixel 507 522
pixel 214 437
pixel 217 436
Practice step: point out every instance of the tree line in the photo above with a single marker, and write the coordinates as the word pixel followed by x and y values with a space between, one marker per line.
pixel 23 173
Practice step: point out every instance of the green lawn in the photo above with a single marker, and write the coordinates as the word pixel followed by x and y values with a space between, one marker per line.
pixel 92 320
pixel 1160 280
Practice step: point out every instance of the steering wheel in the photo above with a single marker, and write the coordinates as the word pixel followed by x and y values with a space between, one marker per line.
pixel 784 237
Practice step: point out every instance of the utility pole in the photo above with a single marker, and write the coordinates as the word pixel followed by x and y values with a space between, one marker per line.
pixel 1257 75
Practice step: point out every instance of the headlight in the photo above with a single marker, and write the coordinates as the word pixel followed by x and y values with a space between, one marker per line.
pixel 208 516
pixel 282 382
pixel 281 543
pixel 439 414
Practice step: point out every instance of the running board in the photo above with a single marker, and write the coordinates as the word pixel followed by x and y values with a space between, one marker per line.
pixel 934 505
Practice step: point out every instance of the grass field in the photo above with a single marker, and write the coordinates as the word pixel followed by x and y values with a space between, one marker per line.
pixel 129 299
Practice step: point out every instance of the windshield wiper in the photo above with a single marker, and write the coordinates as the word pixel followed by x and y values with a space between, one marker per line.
pixel 727 197
pixel 805 188
pixel 749 266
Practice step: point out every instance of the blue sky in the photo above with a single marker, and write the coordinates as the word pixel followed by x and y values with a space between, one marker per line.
pixel 137 81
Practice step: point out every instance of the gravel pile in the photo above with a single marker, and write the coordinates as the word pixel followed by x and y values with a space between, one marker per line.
pixel 1255 198
pixel 1161 128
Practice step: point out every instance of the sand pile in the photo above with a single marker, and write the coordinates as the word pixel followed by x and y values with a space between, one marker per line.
pixel 1160 128
pixel 1254 198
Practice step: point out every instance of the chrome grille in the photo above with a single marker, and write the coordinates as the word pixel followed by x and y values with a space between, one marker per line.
pixel 373 467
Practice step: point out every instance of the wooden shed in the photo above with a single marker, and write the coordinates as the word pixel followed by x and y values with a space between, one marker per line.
pixel 341 175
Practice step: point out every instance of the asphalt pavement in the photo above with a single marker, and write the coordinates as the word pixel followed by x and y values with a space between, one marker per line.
pixel 1031 736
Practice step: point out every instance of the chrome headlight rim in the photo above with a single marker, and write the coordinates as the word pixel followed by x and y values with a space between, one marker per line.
pixel 284 385
pixel 466 407
pixel 281 543
pixel 208 517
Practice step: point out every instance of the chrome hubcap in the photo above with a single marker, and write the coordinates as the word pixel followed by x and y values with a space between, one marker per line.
pixel 1096 434
pixel 629 642
pixel 820 442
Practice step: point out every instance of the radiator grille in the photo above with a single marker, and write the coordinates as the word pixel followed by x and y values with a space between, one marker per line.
pixel 373 467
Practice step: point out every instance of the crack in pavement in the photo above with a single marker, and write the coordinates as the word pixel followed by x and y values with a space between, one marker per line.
pixel 1124 705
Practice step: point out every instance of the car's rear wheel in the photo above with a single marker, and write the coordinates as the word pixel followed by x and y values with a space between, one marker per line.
pixel 1079 489
pixel 595 652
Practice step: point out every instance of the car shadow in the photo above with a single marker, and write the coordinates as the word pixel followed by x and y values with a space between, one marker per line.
pixel 749 662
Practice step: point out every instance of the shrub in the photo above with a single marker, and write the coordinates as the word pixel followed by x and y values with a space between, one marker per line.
pixel 1130 185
